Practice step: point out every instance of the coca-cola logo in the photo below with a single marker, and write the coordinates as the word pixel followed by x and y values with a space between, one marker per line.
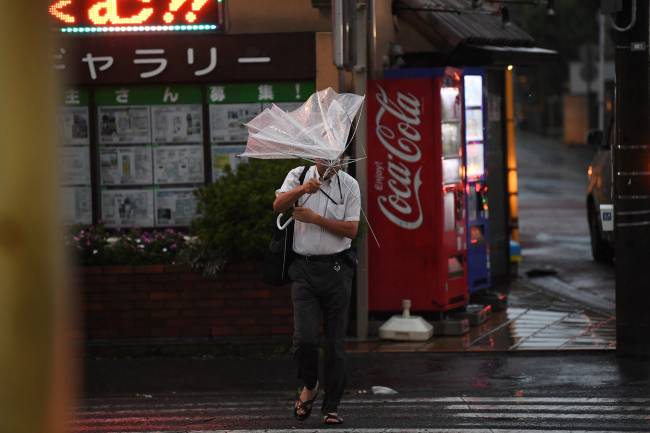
pixel 401 205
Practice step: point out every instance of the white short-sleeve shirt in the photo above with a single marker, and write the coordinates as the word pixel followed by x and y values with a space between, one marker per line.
pixel 343 189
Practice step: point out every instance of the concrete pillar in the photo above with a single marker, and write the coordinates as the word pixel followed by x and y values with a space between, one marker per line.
pixel 631 155
pixel 380 34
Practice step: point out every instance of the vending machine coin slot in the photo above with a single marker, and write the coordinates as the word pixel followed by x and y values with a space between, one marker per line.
pixel 455 267
pixel 460 208
pixel 477 236
pixel 450 211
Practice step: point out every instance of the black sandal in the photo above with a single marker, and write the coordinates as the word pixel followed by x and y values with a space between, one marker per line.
pixel 332 418
pixel 302 409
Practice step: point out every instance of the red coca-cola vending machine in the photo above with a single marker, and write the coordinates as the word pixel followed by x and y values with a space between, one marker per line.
pixel 416 202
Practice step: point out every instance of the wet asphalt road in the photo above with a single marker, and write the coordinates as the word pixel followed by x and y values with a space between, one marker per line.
pixel 553 221
pixel 462 392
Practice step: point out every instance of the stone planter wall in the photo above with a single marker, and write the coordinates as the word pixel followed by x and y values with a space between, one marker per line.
pixel 174 301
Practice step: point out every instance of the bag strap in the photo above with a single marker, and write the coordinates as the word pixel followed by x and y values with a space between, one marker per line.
pixel 301 179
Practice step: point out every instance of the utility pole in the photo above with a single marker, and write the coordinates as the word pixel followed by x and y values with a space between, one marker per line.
pixel 512 176
pixel 350 21
pixel 359 79
pixel 631 174
pixel 362 31
pixel 601 71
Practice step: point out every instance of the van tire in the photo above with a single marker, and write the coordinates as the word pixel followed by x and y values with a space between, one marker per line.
pixel 601 251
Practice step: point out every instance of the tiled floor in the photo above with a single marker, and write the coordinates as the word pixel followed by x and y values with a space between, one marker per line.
pixel 533 321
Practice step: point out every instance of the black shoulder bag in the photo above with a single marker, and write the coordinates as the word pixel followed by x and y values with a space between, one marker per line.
pixel 280 253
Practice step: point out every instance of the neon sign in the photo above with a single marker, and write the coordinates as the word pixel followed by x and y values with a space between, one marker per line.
pixel 102 16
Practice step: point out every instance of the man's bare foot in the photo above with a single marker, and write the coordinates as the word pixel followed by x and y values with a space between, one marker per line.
pixel 303 406
pixel 332 418
pixel 308 394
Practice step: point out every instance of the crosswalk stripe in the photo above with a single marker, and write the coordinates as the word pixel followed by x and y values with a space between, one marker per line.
pixel 273 407
pixel 155 402
pixel 520 400
pixel 559 408
pixel 583 416
pixel 556 399
pixel 397 430
pixel 453 403
pixel 170 414
pixel 410 430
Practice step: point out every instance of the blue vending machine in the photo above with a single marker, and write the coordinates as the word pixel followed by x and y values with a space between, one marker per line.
pixel 478 230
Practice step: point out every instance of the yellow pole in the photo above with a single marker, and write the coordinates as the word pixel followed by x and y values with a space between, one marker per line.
pixel 513 187
pixel 31 256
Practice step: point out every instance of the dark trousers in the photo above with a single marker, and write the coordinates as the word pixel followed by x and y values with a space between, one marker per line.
pixel 319 290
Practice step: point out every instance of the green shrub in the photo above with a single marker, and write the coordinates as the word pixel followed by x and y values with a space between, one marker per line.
pixel 236 215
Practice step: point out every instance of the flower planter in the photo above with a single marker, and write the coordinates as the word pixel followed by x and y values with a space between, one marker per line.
pixel 174 301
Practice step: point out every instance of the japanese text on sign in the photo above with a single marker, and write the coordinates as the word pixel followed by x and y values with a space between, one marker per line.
pixel 80 16
pixel 198 57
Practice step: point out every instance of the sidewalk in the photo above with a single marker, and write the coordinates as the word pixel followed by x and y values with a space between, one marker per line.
pixel 534 320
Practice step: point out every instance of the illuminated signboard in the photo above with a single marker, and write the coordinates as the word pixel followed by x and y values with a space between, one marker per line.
pixel 100 16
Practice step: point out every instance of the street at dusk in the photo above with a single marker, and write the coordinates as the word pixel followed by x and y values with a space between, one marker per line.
pixel 368 216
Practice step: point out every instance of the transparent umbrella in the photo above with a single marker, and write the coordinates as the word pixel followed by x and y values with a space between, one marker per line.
pixel 318 130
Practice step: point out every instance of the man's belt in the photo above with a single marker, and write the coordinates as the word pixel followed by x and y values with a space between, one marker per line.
pixel 322 257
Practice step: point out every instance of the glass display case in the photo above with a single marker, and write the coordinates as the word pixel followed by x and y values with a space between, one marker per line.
pixel 478 261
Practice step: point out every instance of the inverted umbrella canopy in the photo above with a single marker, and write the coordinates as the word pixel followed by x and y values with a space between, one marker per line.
pixel 317 130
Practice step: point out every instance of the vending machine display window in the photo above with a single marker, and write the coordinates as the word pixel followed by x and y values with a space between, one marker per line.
pixel 451 170
pixel 473 91
pixel 474 125
pixel 475 162
pixel 450 104
pixel 451 139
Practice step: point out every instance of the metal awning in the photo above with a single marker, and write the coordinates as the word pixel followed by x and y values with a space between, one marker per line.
pixel 464 35
pixel 501 55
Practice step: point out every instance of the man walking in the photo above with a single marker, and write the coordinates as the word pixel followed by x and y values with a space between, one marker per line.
pixel 326 221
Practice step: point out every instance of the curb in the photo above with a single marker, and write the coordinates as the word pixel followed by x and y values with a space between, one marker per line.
pixel 206 348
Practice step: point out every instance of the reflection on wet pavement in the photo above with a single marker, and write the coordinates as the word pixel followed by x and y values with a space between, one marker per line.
pixel 533 321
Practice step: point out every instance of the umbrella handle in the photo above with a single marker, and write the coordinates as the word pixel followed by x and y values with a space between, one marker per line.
pixel 283 226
